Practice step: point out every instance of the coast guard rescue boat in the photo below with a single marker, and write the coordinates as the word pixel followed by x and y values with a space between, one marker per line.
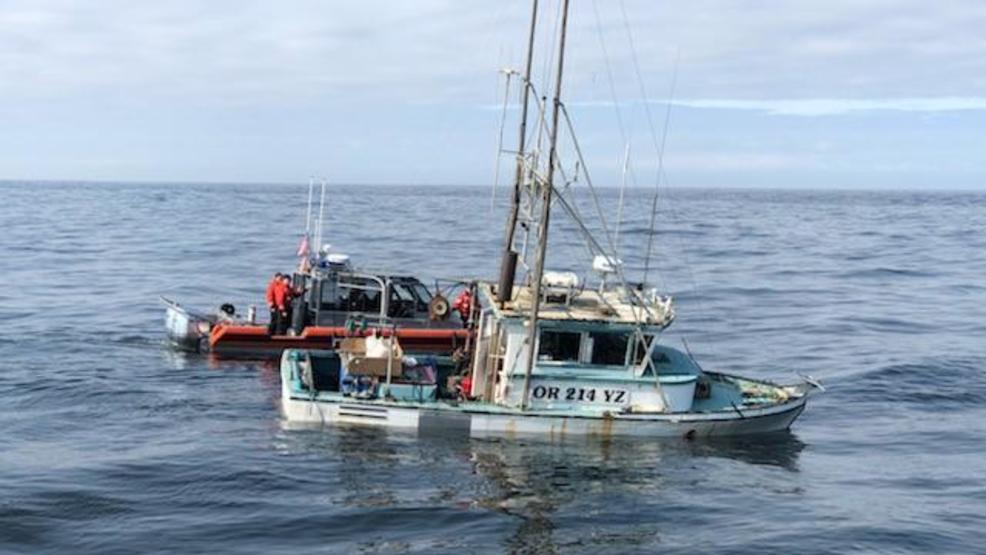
pixel 338 301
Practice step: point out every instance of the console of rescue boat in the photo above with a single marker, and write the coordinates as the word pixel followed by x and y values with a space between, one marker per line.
pixel 336 301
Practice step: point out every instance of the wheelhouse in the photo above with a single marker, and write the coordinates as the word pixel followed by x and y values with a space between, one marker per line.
pixel 595 351
pixel 333 297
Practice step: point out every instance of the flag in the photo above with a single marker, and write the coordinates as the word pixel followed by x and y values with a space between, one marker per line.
pixel 303 247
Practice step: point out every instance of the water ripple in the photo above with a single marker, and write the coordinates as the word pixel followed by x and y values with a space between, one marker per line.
pixel 111 443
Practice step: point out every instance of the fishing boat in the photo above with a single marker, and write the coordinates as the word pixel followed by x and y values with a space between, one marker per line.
pixel 335 300
pixel 553 354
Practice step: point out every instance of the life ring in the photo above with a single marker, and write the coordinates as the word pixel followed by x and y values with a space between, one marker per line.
pixel 438 308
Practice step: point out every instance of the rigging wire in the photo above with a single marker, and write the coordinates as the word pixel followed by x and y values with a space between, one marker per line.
pixel 530 175
pixel 619 205
pixel 609 72
pixel 684 255
pixel 660 169
pixel 571 207
pixel 624 132
pixel 659 146
pixel 547 73
pixel 602 217
pixel 499 142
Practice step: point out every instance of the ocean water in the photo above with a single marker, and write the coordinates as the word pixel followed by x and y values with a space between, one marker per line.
pixel 112 443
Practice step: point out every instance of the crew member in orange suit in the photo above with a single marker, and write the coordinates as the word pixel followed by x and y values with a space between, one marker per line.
pixel 282 295
pixel 463 305
pixel 289 297
pixel 272 305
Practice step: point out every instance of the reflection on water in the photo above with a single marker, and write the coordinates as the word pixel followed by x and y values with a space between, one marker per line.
pixel 781 449
pixel 177 360
pixel 532 480
pixel 363 486
pixel 576 494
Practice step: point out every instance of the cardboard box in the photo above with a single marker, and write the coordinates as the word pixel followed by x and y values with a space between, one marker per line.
pixel 352 351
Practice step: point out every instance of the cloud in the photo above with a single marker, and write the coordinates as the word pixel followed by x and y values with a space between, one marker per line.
pixel 224 88
pixel 839 106
pixel 443 50
pixel 248 50
pixel 723 161
pixel 800 106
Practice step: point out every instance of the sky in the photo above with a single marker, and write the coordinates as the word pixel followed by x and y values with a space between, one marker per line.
pixel 834 93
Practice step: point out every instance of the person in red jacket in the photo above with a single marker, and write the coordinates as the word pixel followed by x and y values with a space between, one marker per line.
pixel 272 305
pixel 463 305
pixel 290 294
pixel 282 295
pixel 465 388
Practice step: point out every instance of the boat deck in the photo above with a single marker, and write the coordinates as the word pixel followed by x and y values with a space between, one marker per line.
pixel 589 305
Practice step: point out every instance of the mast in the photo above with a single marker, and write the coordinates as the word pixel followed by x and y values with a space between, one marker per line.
pixel 509 263
pixel 546 194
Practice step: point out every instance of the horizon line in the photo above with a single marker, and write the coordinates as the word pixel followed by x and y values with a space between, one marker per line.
pixel 224 183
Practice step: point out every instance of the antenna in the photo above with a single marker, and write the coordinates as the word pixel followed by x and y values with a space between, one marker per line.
pixel 308 213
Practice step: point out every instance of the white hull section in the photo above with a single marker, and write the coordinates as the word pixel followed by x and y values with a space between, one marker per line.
pixel 476 420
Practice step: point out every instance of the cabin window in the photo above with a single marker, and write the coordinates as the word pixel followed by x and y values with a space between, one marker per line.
pixel 423 295
pixel 402 293
pixel 402 301
pixel 329 296
pixel 662 362
pixel 559 346
pixel 609 349
pixel 360 295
